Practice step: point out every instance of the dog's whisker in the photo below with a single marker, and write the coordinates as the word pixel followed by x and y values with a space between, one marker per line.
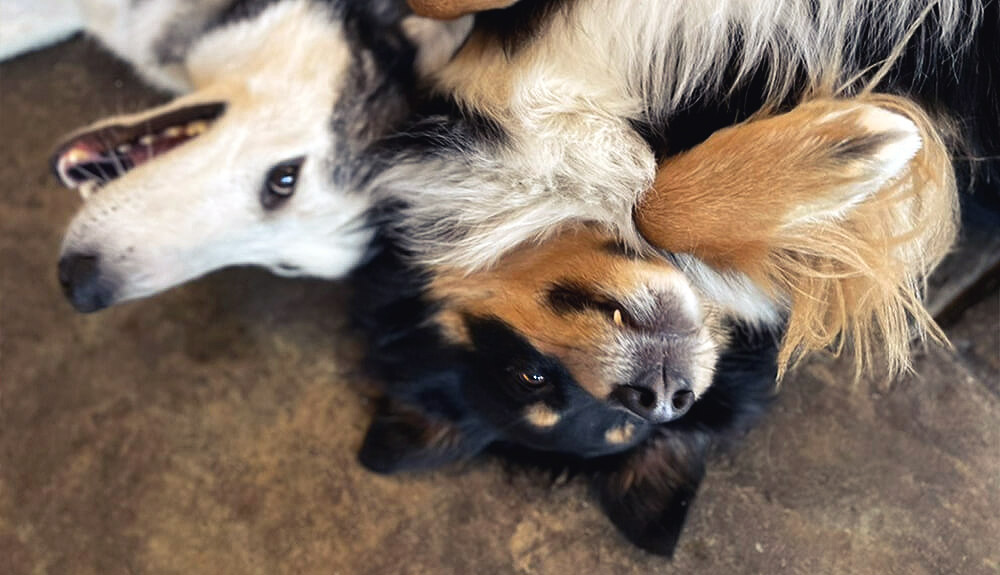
pixel 116 161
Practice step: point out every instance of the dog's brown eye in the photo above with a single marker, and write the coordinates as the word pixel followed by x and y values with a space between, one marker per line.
pixel 532 380
pixel 280 183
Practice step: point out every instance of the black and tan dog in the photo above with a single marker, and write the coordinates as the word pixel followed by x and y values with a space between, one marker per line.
pixel 582 347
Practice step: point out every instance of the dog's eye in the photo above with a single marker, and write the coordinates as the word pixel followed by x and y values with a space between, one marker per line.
pixel 532 380
pixel 280 183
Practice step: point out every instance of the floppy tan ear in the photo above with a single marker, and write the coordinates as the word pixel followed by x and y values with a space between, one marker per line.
pixel 838 209
pixel 448 9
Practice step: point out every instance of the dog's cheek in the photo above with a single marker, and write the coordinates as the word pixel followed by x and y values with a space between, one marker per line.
pixel 403 439
pixel 647 496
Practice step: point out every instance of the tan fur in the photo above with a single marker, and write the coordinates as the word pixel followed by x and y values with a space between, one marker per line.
pixel 448 9
pixel 762 198
pixel 593 346
pixel 620 435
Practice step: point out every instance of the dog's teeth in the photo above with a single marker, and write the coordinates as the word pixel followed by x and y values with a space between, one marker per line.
pixel 147 140
pixel 76 156
pixel 123 149
pixel 87 189
pixel 195 128
pixel 174 132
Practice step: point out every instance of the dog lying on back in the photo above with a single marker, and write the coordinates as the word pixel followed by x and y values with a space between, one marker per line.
pixel 584 347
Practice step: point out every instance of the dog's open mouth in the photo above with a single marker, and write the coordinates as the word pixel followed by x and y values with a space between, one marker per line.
pixel 89 159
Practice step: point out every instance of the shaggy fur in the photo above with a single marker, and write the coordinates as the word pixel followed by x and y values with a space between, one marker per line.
pixel 554 118
pixel 448 400
pixel 567 173
pixel 858 211
pixel 585 348
pixel 554 112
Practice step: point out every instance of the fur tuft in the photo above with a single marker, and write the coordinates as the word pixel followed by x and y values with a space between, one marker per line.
pixel 841 235
pixel 861 281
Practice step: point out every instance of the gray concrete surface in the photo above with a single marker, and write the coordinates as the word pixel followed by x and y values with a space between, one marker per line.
pixel 212 429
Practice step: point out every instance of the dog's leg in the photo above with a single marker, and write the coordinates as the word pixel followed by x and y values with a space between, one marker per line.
pixel 27 25
pixel 837 209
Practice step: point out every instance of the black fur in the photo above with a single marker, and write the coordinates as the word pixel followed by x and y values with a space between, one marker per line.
pixel 380 89
pixel 446 403
pixel 438 128
pixel 519 24
pixel 959 87
pixel 437 410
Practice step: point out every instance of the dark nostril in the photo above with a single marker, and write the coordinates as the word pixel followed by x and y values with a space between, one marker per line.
pixel 682 400
pixel 647 397
pixel 637 399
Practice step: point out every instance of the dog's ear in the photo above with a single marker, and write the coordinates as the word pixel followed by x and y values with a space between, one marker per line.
pixel 648 494
pixel 401 438
pixel 838 209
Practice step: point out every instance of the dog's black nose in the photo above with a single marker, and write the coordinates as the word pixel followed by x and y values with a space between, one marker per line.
pixel 656 397
pixel 80 278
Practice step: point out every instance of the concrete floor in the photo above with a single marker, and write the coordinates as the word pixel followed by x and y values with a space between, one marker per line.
pixel 212 429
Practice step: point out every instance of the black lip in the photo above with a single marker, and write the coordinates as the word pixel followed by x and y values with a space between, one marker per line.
pixel 116 134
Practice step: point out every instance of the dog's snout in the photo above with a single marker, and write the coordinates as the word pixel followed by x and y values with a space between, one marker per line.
pixel 656 396
pixel 638 399
pixel 81 281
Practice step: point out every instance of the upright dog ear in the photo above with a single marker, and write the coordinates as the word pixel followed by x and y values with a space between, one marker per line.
pixel 648 495
pixel 839 209
pixel 401 438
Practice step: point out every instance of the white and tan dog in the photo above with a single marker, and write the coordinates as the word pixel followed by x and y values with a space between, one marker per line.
pixel 275 100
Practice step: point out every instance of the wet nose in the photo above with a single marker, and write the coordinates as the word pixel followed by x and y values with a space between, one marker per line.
pixel 656 397
pixel 80 278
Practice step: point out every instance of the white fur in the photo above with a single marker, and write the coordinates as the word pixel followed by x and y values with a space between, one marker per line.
pixel 566 102
pixel 196 208
pixel 566 99
pixel 734 293
pixel 885 164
